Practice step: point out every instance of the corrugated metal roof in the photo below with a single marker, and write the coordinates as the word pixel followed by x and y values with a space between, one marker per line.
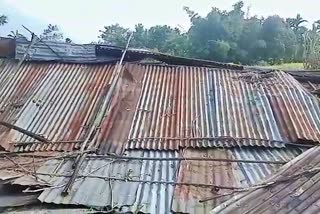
pixel 123 193
pixel 156 197
pixel 187 198
pixel 154 107
pixel 195 104
pixel 59 51
pixel 134 55
pixel 58 101
pixel 256 172
pixel 313 87
pixel 46 50
pixel 102 193
pixel 294 189
pixel 156 191
pixel 115 128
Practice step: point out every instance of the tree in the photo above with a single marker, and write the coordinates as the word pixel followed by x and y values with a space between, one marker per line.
pixel 190 13
pixel 251 41
pixel 234 23
pixel 161 38
pixel 222 35
pixel 140 35
pixel 312 49
pixel 178 45
pixel 15 34
pixel 3 20
pixel 316 26
pixel 52 33
pixel 205 31
pixel 115 35
pixel 68 40
pixel 220 49
pixel 295 23
pixel 280 39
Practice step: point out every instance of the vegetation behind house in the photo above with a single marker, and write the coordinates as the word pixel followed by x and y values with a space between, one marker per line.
pixel 227 36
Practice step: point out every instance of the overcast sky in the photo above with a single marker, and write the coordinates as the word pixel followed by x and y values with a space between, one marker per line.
pixel 81 20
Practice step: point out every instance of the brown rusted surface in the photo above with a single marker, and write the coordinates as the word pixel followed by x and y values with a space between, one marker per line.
pixel 7 47
pixel 186 198
pixel 114 129
pixel 298 194
pixel 16 88
pixel 154 107
pixel 197 199
pixel 294 112
pixel 151 196
pixel 263 109
pixel 57 101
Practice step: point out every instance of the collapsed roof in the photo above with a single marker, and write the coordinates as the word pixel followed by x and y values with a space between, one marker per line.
pixel 293 189
pixel 149 138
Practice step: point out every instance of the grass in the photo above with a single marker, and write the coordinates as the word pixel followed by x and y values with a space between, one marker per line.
pixel 287 66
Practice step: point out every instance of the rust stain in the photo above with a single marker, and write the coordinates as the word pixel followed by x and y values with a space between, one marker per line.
pixel 7 47
pixel 115 128
pixel 295 196
pixel 154 103
pixel 189 102
pixel 215 173
pixel 75 95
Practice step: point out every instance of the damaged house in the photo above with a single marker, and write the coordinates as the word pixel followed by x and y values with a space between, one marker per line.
pixel 81 132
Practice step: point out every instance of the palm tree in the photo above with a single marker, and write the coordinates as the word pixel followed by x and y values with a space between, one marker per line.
pixel 3 19
pixel 15 34
pixel 295 23
pixel 316 26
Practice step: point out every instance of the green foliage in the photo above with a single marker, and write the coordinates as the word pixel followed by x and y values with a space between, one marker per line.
pixel 115 35
pixel 139 36
pixel 3 20
pixel 68 40
pixel 52 33
pixel 226 36
pixel 166 39
pixel 157 38
pixel 15 34
pixel 229 36
pixel 316 26
pixel 295 23
pixel 280 40
pixel 219 49
pixel 285 66
pixel 312 48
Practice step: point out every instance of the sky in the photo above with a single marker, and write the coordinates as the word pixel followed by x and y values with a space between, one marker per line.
pixel 81 20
